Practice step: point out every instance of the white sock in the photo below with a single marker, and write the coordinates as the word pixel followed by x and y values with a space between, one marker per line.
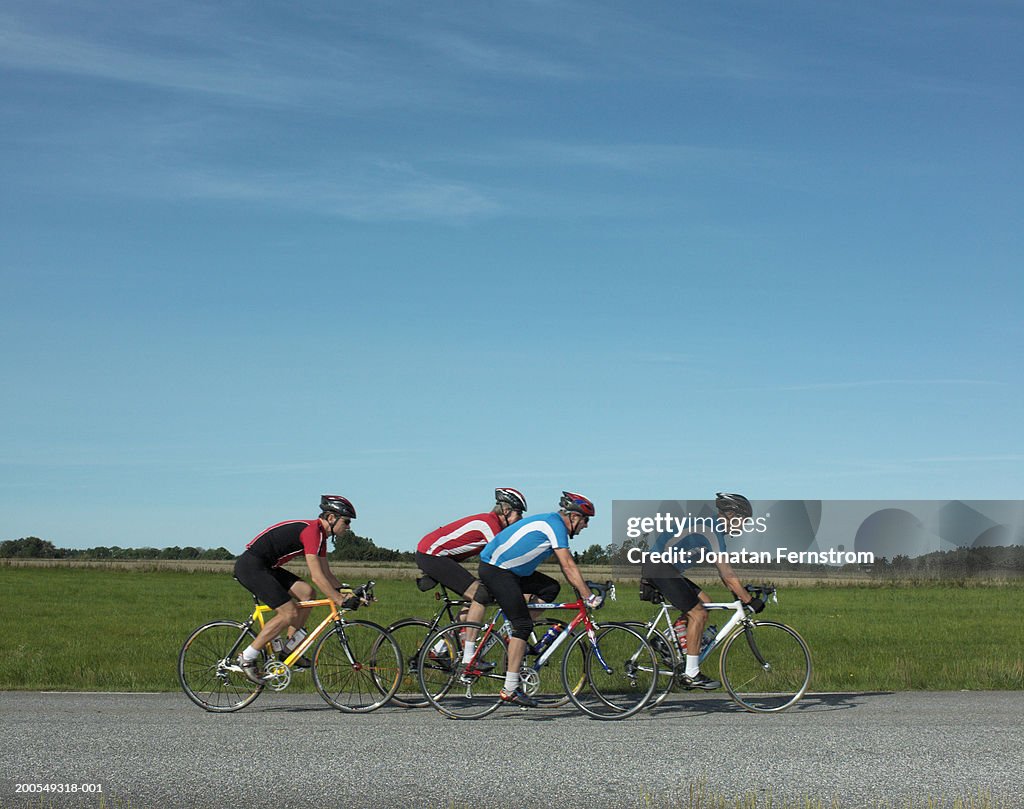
pixel 468 651
pixel 440 647
pixel 250 654
pixel 692 667
pixel 511 681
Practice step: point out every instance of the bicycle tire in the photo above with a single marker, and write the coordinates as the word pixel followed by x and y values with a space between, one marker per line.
pixel 765 666
pixel 207 674
pixel 621 670
pixel 546 685
pixel 357 666
pixel 410 635
pixel 668 660
pixel 439 677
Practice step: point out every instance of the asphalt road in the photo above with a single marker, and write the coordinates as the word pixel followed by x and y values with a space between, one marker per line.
pixel 159 750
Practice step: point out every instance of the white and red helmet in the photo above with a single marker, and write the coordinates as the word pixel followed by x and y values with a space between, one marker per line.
pixel 512 497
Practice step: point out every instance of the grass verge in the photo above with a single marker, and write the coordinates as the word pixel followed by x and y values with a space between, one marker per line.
pixel 117 630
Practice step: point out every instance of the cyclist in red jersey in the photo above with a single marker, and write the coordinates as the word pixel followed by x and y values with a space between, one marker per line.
pixel 438 554
pixel 260 569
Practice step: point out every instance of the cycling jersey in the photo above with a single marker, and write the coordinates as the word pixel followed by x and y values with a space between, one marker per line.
pixel 462 538
pixel 286 540
pixel 522 546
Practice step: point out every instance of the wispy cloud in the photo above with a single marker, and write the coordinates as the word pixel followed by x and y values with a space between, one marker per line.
pixel 359 192
pixel 265 69
pixel 874 383
pixel 483 56
pixel 26 49
pixel 623 157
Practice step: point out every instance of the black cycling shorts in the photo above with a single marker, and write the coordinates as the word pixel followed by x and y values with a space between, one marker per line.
pixel 445 570
pixel 508 589
pixel 680 592
pixel 271 585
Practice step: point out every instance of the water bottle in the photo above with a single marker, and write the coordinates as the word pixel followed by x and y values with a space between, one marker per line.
pixel 549 636
pixel 294 640
pixel 680 629
pixel 708 637
pixel 277 645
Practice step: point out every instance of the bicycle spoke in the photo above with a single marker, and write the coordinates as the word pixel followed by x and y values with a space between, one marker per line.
pixel 409 635
pixel 456 692
pixel 766 666
pixel 545 685
pixel 207 670
pixel 621 671
pixel 668 658
pixel 358 667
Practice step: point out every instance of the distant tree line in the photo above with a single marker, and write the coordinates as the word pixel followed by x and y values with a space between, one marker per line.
pixel 960 562
pixel 36 548
pixel 348 546
pixel 594 555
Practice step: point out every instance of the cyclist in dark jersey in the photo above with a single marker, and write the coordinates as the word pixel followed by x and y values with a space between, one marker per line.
pixel 687 596
pixel 260 569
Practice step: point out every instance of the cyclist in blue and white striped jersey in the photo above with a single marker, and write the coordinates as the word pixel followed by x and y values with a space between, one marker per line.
pixel 508 569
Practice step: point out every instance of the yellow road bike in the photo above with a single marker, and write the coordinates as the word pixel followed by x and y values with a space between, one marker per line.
pixel 356 665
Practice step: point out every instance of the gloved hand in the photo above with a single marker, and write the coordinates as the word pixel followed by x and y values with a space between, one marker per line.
pixel 754 605
pixel 594 601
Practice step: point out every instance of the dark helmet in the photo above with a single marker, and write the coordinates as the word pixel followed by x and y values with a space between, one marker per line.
pixel 338 504
pixel 576 502
pixel 513 497
pixel 735 503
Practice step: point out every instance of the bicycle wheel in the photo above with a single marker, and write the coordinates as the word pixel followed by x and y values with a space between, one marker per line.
pixel 409 634
pixel 765 666
pixel 207 669
pixel 621 670
pixel 668 659
pixel 459 694
pixel 545 684
pixel 357 666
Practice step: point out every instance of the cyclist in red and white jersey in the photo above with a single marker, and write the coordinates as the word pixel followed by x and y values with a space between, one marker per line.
pixel 260 569
pixel 439 552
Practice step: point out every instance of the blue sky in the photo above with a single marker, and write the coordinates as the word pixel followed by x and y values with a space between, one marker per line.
pixel 409 252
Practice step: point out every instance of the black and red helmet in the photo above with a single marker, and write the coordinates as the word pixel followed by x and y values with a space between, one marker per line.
pixel 512 497
pixel 734 504
pixel 337 504
pixel 576 502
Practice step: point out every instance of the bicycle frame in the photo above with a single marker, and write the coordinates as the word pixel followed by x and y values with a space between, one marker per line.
pixel 335 615
pixel 582 617
pixel 445 609
pixel 738 618
pixel 356 666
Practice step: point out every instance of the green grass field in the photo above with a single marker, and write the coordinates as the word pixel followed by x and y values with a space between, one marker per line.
pixel 116 630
